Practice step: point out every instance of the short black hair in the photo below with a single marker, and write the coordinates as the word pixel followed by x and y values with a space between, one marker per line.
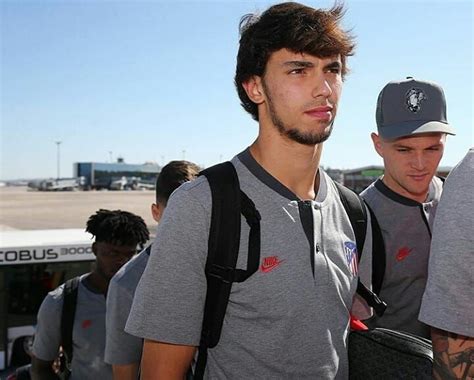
pixel 118 227
pixel 173 175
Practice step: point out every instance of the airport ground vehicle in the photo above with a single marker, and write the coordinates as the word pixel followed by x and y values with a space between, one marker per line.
pixel 31 264
pixel 59 184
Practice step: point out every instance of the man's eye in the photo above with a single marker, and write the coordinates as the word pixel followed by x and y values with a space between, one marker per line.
pixel 297 71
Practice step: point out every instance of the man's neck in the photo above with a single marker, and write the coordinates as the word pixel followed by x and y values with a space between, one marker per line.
pixel 293 164
pixel 97 282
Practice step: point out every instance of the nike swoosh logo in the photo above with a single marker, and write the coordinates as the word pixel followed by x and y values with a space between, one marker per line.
pixel 403 253
pixel 265 268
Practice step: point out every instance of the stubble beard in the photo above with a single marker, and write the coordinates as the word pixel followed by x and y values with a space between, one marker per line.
pixel 304 138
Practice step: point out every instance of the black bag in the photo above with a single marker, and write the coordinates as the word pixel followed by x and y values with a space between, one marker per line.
pixel 389 355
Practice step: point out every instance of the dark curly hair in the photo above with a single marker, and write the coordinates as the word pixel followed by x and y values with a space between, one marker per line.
pixel 291 26
pixel 118 227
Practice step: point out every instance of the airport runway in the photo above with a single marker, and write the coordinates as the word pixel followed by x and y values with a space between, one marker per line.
pixel 22 209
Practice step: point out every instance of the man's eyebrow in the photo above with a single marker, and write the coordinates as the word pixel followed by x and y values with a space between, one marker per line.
pixel 401 145
pixel 298 64
pixel 333 65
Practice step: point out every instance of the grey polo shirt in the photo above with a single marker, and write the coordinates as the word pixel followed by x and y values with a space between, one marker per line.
pixel 288 320
pixel 88 333
pixel 406 230
pixel 122 348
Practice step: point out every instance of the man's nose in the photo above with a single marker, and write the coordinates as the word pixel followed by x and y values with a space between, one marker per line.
pixel 322 88
pixel 418 161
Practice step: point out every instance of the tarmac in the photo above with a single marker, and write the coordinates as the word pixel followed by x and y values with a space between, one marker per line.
pixel 25 209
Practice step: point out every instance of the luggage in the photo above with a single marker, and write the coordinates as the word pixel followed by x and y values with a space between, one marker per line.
pixel 389 355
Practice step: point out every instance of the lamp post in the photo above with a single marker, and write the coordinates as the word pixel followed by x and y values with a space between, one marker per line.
pixel 58 155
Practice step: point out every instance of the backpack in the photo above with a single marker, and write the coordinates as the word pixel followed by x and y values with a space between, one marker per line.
pixel 67 321
pixel 229 202
pixel 389 354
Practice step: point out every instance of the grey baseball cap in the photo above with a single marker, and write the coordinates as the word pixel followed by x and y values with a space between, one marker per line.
pixel 411 107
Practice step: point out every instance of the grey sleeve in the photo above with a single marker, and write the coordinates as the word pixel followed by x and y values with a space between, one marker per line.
pixel 360 309
pixel 448 299
pixel 48 331
pixel 169 300
pixel 120 347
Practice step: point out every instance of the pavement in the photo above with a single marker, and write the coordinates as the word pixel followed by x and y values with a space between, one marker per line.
pixel 24 209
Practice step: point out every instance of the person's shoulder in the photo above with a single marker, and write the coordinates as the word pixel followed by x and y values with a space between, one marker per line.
pixel 370 191
pixel 196 191
pixel 53 300
pixel 196 185
pixel 131 271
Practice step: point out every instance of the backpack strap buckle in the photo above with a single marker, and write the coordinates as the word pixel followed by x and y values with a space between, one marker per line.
pixel 248 210
pixel 222 273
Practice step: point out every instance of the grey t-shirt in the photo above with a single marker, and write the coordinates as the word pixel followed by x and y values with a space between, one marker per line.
pixel 406 230
pixel 448 302
pixel 88 334
pixel 121 347
pixel 287 321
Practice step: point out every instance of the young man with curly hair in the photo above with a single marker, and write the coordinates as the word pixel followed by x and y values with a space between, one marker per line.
pixel 117 235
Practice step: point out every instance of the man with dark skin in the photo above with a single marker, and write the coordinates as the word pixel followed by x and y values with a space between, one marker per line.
pixel 117 235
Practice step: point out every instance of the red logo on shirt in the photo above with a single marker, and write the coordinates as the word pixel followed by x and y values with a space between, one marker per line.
pixel 270 263
pixel 403 253
pixel 86 323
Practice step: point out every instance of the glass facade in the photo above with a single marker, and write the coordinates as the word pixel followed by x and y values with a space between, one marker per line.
pixel 100 175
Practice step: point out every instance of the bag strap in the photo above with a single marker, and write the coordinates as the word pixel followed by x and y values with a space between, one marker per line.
pixel 67 316
pixel 378 259
pixel 357 213
pixel 228 203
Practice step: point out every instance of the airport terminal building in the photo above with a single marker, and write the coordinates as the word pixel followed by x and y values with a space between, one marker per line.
pixel 101 175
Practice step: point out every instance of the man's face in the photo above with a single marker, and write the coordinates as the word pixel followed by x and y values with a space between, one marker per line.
pixel 111 257
pixel 411 162
pixel 301 94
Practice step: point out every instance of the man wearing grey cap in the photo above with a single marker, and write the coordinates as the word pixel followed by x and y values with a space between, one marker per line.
pixel 412 128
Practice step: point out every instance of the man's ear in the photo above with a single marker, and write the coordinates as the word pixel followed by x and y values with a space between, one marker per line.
pixel 157 211
pixel 254 89
pixel 377 140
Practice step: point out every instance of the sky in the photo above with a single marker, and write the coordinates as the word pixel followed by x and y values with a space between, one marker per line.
pixel 153 80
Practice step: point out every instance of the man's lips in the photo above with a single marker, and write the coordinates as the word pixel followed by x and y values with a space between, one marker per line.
pixel 418 177
pixel 323 112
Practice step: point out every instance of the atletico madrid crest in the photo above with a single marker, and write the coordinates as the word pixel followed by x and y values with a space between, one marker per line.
pixel 350 250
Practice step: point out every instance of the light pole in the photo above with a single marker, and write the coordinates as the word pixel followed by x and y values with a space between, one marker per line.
pixel 58 143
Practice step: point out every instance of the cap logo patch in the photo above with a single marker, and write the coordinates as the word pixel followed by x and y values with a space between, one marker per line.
pixel 414 98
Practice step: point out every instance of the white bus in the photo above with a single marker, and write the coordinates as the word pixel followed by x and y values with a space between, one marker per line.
pixel 32 263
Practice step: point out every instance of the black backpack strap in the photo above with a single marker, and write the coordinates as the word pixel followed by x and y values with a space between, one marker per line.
pixel 378 253
pixel 67 317
pixel 228 203
pixel 357 213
